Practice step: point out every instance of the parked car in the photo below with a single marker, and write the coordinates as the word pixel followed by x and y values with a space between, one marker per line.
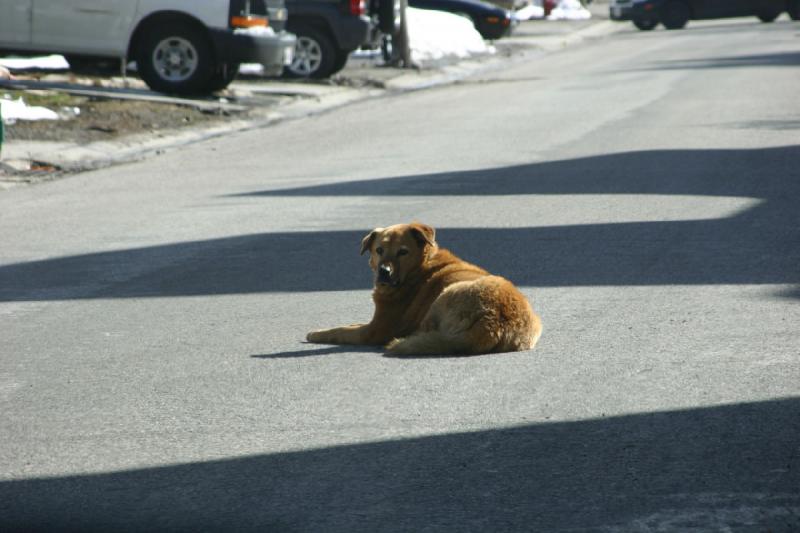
pixel 180 46
pixel 327 32
pixel 491 21
pixel 675 14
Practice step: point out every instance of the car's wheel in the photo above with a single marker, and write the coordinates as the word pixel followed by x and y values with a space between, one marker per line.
pixel 175 58
pixel 389 16
pixel 768 17
pixel 675 15
pixel 793 7
pixel 314 54
pixel 223 77
pixel 645 24
pixel 340 61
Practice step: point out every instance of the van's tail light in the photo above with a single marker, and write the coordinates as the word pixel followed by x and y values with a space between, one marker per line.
pixel 247 14
pixel 249 21
pixel 358 7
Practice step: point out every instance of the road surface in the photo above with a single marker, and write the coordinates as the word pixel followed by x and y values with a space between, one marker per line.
pixel 641 189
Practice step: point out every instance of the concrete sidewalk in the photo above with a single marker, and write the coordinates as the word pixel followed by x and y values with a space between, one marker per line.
pixel 362 79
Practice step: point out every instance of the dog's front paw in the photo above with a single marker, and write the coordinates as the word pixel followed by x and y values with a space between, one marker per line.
pixel 319 336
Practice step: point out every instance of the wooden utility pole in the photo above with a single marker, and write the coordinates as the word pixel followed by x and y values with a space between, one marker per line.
pixel 403 48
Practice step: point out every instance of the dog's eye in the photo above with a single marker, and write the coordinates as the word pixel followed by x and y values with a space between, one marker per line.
pixel 402 251
pixel 379 250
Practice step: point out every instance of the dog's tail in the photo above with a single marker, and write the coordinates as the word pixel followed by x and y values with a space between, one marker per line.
pixel 428 343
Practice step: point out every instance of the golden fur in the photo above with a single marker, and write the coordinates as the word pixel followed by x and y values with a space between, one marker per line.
pixel 428 301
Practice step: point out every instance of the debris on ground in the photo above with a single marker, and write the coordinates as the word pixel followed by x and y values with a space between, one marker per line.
pixel 85 120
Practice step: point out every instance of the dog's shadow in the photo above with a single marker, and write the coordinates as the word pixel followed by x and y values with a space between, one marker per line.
pixel 341 349
pixel 324 350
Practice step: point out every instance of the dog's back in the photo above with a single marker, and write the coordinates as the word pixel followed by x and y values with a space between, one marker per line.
pixel 462 309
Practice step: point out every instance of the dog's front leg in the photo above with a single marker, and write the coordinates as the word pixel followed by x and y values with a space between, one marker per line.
pixel 354 334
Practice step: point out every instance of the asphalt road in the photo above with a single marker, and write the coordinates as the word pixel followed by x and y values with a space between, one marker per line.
pixel 641 189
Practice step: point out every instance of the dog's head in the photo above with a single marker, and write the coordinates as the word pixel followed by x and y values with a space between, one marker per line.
pixel 396 251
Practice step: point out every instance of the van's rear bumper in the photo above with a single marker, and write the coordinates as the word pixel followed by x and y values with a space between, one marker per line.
pixel 271 49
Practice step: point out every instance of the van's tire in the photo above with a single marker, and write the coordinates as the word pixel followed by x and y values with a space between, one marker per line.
pixel 675 15
pixel 314 54
pixel 176 57
pixel 223 77
pixel 645 24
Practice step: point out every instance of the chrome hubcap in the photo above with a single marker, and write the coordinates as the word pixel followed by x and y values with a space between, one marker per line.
pixel 307 56
pixel 175 59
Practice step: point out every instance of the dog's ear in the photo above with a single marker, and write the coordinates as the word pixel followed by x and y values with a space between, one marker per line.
pixel 366 242
pixel 423 233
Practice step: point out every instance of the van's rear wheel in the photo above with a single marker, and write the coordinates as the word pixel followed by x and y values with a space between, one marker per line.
pixel 175 58
pixel 223 77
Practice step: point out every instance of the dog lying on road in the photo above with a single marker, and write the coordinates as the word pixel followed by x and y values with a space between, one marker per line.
pixel 428 301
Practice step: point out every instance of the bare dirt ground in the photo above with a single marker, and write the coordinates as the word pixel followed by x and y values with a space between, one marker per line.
pixel 87 119
pixel 100 120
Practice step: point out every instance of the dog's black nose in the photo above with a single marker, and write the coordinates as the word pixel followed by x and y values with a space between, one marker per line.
pixel 385 273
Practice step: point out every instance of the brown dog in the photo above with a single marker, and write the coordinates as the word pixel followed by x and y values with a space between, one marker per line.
pixel 428 301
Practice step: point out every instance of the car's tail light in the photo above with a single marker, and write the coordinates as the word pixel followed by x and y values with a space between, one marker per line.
pixel 357 7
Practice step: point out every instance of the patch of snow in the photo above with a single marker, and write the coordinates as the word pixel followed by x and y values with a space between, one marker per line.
pixel 530 12
pixel 569 10
pixel 435 35
pixel 253 69
pixel 52 62
pixel 13 110
pixel 432 35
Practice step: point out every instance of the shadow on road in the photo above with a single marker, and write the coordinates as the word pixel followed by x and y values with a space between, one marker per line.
pixel 757 246
pixel 783 59
pixel 328 350
pixel 733 467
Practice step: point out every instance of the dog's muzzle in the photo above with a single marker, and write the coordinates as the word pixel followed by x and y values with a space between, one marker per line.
pixel 385 272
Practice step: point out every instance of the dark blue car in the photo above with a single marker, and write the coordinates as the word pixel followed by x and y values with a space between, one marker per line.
pixel 491 21
pixel 674 14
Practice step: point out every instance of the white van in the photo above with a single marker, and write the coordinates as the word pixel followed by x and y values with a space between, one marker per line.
pixel 180 46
